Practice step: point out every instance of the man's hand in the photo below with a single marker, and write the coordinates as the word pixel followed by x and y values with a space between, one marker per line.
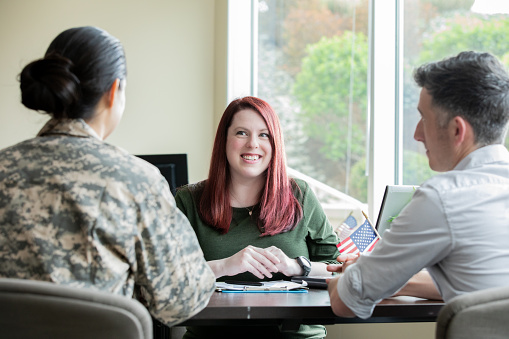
pixel 338 307
pixel 420 285
pixel 346 260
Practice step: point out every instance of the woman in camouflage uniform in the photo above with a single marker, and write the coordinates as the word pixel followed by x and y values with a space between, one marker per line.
pixel 77 211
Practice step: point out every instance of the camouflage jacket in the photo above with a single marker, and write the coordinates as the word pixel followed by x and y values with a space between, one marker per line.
pixel 77 211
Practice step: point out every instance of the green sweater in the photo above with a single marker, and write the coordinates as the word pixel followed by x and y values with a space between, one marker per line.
pixel 313 237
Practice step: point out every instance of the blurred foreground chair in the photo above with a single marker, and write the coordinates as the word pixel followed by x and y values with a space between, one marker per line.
pixel 480 314
pixel 36 309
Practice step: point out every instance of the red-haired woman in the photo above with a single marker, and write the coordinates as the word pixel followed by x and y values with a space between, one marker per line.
pixel 253 222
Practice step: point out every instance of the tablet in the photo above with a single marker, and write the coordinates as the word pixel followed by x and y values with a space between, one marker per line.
pixel 312 281
pixel 395 198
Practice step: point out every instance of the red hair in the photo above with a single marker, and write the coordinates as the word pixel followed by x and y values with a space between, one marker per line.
pixel 280 210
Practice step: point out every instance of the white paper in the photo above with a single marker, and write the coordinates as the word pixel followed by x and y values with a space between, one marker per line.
pixel 278 285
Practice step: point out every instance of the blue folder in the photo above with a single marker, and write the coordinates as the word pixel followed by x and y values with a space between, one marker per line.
pixel 255 291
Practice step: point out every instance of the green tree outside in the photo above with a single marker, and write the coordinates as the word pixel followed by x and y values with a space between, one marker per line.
pixel 416 171
pixel 468 33
pixel 327 97
pixel 471 32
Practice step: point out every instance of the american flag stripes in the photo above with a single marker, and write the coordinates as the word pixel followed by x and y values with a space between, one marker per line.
pixel 362 240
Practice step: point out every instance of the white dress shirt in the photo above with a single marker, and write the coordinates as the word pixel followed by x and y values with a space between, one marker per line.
pixel 456 225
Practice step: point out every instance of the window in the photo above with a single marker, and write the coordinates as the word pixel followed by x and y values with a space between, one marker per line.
pixel 339 74
pixel 312 66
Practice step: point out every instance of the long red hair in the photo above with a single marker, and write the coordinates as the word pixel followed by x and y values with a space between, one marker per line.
pixel 280 210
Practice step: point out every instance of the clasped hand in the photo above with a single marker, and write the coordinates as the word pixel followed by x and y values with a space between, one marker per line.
pixel 261 262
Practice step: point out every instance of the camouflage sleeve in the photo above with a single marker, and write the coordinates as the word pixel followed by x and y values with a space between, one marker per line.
pixel 175 280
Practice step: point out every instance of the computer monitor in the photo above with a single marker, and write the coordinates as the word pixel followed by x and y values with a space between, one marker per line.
pixel 172 166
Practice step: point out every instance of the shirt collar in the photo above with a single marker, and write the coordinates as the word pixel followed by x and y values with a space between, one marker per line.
pixel 484 155
pixel 69 127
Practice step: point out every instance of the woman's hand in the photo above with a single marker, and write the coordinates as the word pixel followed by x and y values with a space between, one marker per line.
pixel 287 266
pixel 260 262
pixel 346 259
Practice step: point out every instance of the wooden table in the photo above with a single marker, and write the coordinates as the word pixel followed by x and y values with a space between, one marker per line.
pixel 292 309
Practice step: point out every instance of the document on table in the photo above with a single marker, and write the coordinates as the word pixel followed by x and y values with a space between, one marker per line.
pixel 266 286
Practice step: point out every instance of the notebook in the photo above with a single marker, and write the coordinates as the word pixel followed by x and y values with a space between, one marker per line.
pixel 266 286
pixel 395 198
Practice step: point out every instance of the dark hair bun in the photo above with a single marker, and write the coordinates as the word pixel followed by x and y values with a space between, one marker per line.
pixel 49 85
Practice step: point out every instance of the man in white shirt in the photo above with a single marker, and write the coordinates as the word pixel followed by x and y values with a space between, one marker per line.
pixel 457 223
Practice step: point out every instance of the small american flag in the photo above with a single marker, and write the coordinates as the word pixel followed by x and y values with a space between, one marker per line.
pixel 350 222
pixel 362 240
pixel 347 227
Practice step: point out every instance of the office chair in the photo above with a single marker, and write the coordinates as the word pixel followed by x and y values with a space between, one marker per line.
pixel 37 309
pixel 480 314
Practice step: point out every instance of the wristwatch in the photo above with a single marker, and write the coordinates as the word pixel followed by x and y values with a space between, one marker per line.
pixel 305 264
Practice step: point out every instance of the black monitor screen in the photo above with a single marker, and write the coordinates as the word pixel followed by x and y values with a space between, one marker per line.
pixel 172 166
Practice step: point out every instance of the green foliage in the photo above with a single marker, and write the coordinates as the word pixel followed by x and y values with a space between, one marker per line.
pixel 416 169
pixel 415 172
pixel 359 181
pixel 452 5
pixel 463 34
pixel 322 86
pixel 323 90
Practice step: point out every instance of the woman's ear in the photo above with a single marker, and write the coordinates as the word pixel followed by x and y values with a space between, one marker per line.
pixel 113 92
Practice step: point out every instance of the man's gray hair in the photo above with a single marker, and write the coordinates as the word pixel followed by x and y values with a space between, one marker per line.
pixel 472 85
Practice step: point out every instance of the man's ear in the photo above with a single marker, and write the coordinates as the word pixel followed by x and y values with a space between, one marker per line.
pixel 461 130
pixel 113 92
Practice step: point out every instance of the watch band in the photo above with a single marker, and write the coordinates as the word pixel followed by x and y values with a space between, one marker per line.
pixel 305 263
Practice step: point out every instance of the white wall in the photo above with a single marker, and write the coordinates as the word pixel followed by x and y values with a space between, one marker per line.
pixel 382 331
pixel 170 50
